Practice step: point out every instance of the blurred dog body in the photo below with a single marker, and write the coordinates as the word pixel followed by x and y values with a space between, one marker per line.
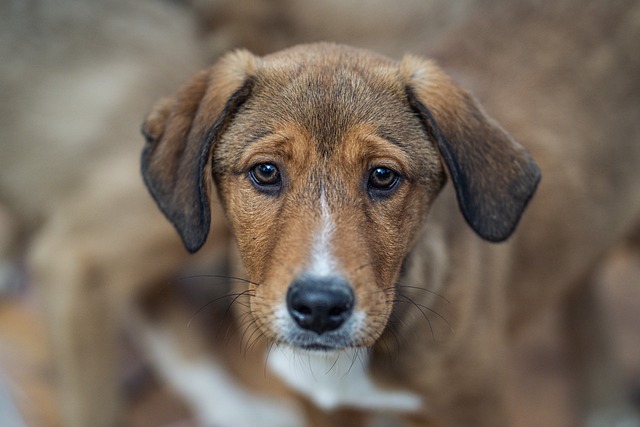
pixel 75 79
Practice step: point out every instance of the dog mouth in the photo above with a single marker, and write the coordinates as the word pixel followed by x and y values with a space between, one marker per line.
pixel 321 348
pixel 319 343
pixel 346 336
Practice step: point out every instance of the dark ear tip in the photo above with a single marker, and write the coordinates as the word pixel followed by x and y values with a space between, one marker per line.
pixel 501 225
pixel 193 237
pixel 193 246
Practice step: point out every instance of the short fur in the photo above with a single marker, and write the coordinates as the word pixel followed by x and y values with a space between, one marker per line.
pixel 78 75
pixel 325 115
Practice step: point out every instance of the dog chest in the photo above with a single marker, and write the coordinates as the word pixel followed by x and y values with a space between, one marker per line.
pixel 340 379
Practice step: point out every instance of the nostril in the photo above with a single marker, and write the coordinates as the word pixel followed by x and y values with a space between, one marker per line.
pixel 338 311
pixel 303 309
pixel 320 304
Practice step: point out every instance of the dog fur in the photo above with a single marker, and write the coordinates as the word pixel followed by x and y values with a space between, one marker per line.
pixel 91 270
pixel 325 115
pixel 77 77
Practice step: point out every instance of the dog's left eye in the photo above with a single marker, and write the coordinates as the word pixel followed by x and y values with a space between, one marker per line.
pixel 382 181
pixel 266 177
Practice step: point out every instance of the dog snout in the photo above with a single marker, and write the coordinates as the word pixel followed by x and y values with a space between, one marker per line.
pixel 320 304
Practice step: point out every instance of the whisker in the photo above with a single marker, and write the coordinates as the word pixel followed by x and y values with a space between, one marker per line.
pixel 358 350
pixel 386 345
pixel 247 329
pixel 395 319
pixel 251 345
pixel 353 361
pixel 216 276
pixel 266 358
pixel 313 374
pixel 244 322
pixel 407 299
pixel 333 365
pixel 241 294
pixel 424 290
pixel 213 301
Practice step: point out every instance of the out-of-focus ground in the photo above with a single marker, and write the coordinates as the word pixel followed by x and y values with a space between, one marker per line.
pixel 539 381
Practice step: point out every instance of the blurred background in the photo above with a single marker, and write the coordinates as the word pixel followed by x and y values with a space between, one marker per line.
pixel 76 79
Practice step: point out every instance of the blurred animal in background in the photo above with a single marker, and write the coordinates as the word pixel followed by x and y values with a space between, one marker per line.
pixel 327 159
pixel 81 73
pixel 75 79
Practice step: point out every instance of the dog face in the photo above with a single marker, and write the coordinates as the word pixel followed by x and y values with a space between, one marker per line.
pixel 324 194
pixel 326 160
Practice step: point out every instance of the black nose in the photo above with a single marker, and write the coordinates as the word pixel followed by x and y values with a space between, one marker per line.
pixel 320 304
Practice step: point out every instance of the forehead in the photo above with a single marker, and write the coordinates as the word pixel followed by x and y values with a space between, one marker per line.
pixel 329 95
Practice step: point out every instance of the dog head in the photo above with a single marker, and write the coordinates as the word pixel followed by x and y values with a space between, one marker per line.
pixel 326 160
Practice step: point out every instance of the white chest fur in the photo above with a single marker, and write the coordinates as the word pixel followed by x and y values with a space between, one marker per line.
pixel 333 380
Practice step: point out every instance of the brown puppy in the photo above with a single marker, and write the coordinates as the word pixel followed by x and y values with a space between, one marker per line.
pixel 330 163
pixel 78 76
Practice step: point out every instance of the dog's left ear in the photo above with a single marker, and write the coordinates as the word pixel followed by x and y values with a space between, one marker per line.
pixel 494 177
pixel 180 132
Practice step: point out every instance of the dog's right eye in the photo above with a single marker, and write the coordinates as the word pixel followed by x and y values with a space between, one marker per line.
pixel 266 178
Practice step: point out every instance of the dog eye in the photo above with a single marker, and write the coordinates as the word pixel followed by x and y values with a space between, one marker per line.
pixel 266 177
pixel 382 181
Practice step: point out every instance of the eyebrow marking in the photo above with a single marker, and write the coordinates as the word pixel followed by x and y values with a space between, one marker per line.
pixel 389 137
pixel 257 136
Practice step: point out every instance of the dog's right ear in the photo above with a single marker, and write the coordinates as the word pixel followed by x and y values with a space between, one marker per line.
pixel 180 132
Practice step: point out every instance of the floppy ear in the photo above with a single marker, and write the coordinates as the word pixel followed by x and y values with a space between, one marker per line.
pixel 494 177
pixel 180 132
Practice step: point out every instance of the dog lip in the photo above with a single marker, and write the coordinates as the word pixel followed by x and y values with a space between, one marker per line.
pixel 324 342
pixel 348 335
pixel 320 347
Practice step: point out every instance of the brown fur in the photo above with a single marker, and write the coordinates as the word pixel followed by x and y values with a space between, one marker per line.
pixel 78 75
pixel 329 142
pixel 567 89
pixel 582 135
pixel 325 114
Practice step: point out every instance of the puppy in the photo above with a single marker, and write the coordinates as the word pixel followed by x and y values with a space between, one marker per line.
pixel 368 293
pixel 77 77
